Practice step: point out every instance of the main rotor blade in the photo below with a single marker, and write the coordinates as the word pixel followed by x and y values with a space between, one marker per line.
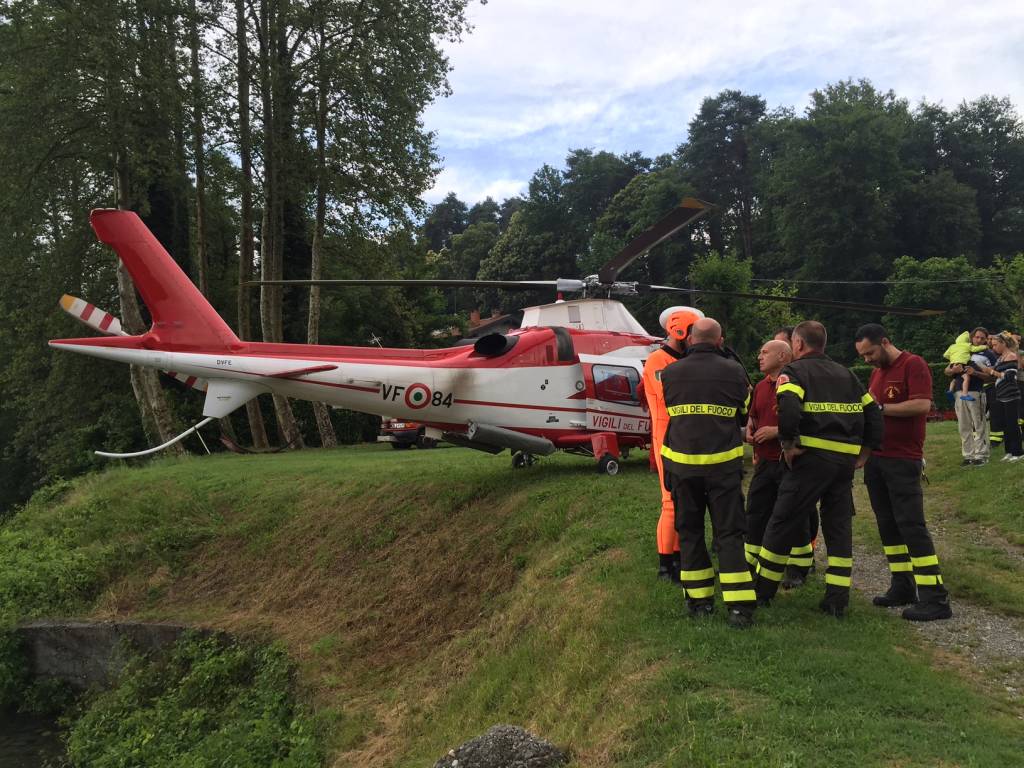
pixel 523 285
pixel 688 211
pixel 880 308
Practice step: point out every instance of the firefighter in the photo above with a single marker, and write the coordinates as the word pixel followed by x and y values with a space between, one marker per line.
pixel 828 425
pixel 706 397
pixel 676 321
pixel 763 434
pixel 902 385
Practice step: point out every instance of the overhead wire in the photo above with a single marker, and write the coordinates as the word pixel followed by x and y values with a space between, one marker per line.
pixel 912 281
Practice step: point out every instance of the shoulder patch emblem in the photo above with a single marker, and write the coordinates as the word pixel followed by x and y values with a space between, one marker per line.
pixel 783 379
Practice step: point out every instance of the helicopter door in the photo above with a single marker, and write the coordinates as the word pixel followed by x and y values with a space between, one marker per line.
pixel 613 400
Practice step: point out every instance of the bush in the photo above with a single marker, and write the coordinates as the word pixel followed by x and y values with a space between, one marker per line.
pixel 204 704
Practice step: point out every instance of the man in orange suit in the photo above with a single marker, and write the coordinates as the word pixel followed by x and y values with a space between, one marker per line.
pixel 676 321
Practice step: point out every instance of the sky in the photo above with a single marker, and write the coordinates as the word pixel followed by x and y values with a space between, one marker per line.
pixel 537 78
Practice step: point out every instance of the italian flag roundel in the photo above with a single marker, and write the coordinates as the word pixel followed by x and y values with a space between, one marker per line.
pixel 417 396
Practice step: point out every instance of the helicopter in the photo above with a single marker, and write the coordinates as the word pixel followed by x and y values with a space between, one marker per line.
pixel 567 379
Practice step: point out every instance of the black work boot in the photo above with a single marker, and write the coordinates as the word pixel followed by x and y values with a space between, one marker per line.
pixel 928 610
pixel 699 609
pixel 668 568
pixel 739 618
pixel 901 592
pixel 833 607
pixel 795 577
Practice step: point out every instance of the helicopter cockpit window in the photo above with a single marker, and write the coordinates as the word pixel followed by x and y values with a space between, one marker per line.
pixel 616 383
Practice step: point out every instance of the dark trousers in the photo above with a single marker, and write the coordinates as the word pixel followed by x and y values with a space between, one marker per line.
pixel 894 487
pixel 1007 416
pixel 719 491
pixel 996 419
pixel 761 496
pixel 813 478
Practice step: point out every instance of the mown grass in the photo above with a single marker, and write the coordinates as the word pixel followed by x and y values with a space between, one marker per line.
pixel 429 595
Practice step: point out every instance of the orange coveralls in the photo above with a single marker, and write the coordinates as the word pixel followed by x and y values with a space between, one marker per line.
pixel 668 539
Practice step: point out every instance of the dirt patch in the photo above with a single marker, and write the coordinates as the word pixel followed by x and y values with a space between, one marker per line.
pixel 981 644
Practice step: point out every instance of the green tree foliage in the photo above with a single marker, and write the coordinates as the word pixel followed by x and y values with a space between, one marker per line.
pixel 836 180
pixel 548 236
pixel 745 324
pixel 986 301
pixel 448 218
pixel 938 217
pixel 462 260
pixel 485 212
pixel 984 147
pixel 720 158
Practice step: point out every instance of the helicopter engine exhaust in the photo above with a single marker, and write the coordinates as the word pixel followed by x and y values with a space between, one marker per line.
pixel 494 344
pixel 506 438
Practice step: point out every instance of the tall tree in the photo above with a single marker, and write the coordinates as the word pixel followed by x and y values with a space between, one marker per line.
pixel 720 159
pixel 984 145
pixel 446 219
pixel 835 185
pixel 246 250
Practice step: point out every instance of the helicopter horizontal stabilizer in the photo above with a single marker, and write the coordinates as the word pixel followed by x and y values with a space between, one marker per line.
pixel 224 396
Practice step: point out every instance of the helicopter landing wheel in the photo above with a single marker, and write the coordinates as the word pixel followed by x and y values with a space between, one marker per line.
pixel 522 459
pixel 608 465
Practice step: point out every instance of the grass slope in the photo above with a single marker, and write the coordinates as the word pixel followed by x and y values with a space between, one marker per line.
pixel 429 595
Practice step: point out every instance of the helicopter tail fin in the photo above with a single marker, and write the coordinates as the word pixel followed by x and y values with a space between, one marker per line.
pixel 182 317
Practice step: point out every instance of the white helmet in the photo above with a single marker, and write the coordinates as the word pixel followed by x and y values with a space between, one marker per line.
pixel 664 316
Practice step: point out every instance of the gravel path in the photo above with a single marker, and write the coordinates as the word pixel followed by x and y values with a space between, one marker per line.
pixel 975 639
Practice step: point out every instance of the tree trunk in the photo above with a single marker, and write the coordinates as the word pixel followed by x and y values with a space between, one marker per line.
pixel 198 150
pixel 245 246
pixel 199 157
pixel 156 415
pixel 271 255
pixel 328 438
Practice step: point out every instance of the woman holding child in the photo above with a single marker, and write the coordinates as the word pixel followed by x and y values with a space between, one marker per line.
pixel 1006 393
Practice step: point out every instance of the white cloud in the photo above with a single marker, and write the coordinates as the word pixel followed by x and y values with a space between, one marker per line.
pixel 536 77
pixel 472 187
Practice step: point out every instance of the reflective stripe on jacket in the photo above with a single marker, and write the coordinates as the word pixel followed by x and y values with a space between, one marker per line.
pixel 706 397
pixel 823 405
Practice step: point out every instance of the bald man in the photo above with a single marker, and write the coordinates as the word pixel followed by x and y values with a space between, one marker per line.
pixel 676 322
pixel 763 433
pixel 706 397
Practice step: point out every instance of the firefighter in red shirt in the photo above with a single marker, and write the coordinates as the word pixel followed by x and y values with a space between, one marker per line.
pixel 763 433
pixel 676 321
pixel 902 384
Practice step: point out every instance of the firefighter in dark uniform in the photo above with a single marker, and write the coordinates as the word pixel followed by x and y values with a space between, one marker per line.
pixel 706 396
pixel 828 424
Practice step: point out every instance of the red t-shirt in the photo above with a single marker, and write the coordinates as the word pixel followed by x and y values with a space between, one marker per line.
pixel 908 378
pixel 764 412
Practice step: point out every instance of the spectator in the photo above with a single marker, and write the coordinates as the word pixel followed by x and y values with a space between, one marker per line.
pixel 970 414
pixel 1006 393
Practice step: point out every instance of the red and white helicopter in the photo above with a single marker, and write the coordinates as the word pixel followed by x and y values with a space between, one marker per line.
pixel 566 379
